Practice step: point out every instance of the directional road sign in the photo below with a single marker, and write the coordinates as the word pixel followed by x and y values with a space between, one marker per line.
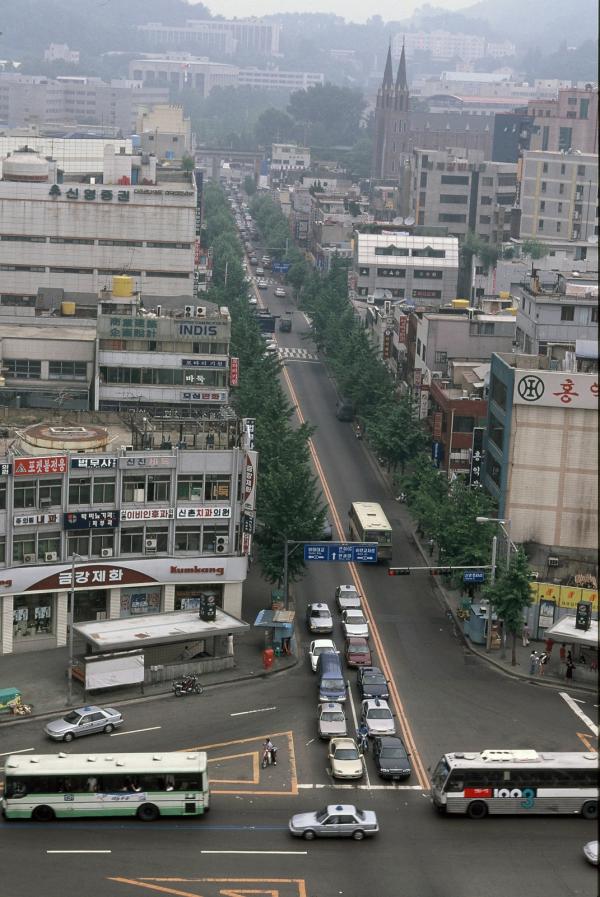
pixel 349 552
pixel 474 576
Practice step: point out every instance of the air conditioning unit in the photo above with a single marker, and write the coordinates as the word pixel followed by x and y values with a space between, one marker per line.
pixel 553 562
pixel 150 544
pixel 50 556
pixel 106 552
pixel 436 375
pixel 139 495
pixel 29 559
pixel 201 311
pixel 222 544
pixel 128 448
pixel 189 311
pixel 45 502
pixel 387 308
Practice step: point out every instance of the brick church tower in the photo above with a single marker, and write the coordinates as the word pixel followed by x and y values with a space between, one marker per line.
pixel 392 141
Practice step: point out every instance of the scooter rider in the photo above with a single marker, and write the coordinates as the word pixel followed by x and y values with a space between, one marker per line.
pixel 362 736
pixel 269 748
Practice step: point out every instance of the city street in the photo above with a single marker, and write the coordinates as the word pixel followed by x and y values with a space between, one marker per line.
pixel 444 699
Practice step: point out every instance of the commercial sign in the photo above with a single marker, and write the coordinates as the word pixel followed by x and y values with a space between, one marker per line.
pixel 427 294
pixel 133 328
pixel 204 512
pixel 144 461
pixel 423 403
pixel 206 362
pixel 547 611
pixel 437 426
pixel 249 425
pixel 91 520
pixel 476 456
pixel 403 329
pixel 387 342
pixel 474 576
pixel 26 467
pixel 35 519
pixel 89 575
pixel 249 480
pixel 90 194
pixel 99 463
pixel 195 330
pixel 5 469
pixel 248 522
pixel 215 395
pixel 147 514
pixel 556 389
pixel 234 372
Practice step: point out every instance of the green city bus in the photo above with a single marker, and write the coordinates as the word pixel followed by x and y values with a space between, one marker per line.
pixel 368 523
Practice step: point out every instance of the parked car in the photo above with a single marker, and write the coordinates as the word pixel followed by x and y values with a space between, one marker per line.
pixel 318 618
pixel 317 647
pixel 337 821
pixel 262 284
pixel 354 623
pixel 345 760
pixel 347 597
pixel 331 721
pixel 377 717
pixel 344 409
pixel 266 260
pixel 590 852
pixel 260 270
pixel 391 758
pixel 279 291
pixel 84 721
pixel 372 683
pixel 358 652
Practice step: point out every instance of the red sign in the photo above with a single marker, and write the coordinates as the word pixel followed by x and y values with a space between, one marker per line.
pixel 437 426
pixel 26 467
pixel 477 792
pixel 387 343
pixel 402 328
pixel 234 371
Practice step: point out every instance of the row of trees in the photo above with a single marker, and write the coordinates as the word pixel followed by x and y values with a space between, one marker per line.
pixel 289 503
pixel 275 233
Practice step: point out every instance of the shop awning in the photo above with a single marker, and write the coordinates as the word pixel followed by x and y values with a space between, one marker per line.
pixel 564 631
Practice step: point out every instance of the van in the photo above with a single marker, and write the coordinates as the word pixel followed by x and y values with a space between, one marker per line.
pixel 344 409
pixel 332 686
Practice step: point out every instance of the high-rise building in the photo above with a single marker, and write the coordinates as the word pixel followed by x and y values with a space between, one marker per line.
pixel 569 122
pixel 216 36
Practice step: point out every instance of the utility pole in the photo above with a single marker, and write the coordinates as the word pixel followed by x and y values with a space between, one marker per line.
pixel 488 641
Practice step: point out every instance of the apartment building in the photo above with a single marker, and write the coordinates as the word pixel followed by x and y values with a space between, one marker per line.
pixel 559 196
pixel 566 122
pixel 464 193
pixel 288 161
pixel 150 512
pixel 448 45
pixel 221 36
pixel 419 270
pixel 182 71
pixel 276 79
pixel 77 236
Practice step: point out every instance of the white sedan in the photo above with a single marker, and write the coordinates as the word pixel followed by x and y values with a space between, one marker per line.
pixel 347 597
pixel 317 647
pixel 354 623
pixel 279 291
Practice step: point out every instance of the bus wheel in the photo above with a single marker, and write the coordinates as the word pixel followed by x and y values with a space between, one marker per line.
pixel 477 810
pixel 148 813
pixel 590 809
pixel 43 814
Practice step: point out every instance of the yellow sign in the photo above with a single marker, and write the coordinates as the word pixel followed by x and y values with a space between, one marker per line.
pixel 590 595
pixel 569 596
pixel 547 591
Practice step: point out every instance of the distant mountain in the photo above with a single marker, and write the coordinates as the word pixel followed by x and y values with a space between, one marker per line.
pixel 539 23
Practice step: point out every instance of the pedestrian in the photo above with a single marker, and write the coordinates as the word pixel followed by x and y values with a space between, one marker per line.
pixel 549 645
pixel 534 661
pixel 563 653
pixel 570 666
pixel 525 633
pixel 544 658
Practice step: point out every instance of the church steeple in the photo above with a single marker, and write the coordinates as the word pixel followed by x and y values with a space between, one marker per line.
pixel 388 75
pixel 401 81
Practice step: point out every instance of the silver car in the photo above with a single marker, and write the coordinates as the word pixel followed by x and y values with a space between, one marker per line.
pixel 84 721
pixel 377 717
pixel 347 597
pixel 354 623
pixel 341 821
pixel 332 720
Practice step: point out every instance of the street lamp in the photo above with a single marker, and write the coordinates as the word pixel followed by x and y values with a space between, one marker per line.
pixel 502 523
pixel 71 620
pixel 505 525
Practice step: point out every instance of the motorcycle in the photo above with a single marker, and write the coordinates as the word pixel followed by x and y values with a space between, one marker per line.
pixel 362 739
pixel 189 685
pixel 269 757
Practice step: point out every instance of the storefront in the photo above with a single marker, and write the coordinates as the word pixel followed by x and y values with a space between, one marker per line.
pixel 189 597
pixel 34 617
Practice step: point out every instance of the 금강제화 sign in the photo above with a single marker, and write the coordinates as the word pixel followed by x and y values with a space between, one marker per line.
pixel 350 552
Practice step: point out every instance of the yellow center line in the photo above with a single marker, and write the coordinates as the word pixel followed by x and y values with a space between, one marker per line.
pixel 385 664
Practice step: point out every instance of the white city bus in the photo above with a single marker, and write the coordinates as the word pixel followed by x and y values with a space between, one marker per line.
pixel 517 781
pixel 49 786
pixel 368 523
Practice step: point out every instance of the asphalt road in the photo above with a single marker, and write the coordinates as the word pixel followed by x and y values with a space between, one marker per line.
pixel 444 699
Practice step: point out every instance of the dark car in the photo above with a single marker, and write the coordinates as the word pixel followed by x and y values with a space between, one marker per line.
pixel 344 409
pixel 391 757
pixel 372 683
pixel 357 652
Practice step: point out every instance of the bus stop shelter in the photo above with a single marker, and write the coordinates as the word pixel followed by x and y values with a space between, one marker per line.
pixel 583 644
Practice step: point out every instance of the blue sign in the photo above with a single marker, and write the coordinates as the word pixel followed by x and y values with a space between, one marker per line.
pixel 351 552
pixel 474 576
pixel 280 267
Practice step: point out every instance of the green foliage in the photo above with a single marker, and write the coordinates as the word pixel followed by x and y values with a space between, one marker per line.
pixel 274 126
pixel 187 163
pixel 534 249
pixel 511 594
pixel 330 114
pixel 249 185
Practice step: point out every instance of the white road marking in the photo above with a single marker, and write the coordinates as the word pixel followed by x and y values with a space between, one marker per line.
pixel 579 701
pixel 570 702
pixel 22 751
pixel 259 852
pixel 79 851
pixel 259 710
pixel 134 731
pixel 354 717
pixel 392 786
pixel 306 745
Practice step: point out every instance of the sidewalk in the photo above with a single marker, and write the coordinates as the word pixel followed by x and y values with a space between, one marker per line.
pixel 42 677
pixel 554 674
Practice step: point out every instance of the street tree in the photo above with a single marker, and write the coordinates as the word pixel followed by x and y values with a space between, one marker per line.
pixel 394 433
pixel 510 595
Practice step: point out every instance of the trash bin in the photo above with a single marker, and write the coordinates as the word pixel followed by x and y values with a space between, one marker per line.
pixel 268 655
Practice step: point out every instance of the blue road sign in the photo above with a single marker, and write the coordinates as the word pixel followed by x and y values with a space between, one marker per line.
pixel 474 576
pixel 365 553
pixel 280 267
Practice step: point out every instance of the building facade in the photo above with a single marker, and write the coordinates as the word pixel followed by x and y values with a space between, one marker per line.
pixel 288 161
pixel 448 45
pixel 554 316
pixel 216 35
pixel 183 72
pixel 146 528
pixel 464 193
pixel 559 196
pixel 566 122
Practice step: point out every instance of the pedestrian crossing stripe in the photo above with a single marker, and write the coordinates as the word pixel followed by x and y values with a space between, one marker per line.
pixel 296 354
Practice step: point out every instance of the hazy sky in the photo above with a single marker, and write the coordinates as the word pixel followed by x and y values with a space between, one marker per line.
pixel 355 10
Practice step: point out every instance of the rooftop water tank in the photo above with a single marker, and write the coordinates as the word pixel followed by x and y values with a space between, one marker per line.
pixel 122 286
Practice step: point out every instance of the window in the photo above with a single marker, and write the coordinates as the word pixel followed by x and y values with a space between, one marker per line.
pixel 496 431
pixel 565 139
pixel 22 546
pixel 560 207
pixel 594 314
pixel 190 487
pixel 2 495
pixel 463 424
pixel 572 101
pixel 187 539
pixel 423 179
pixel 160 534
pixel 558 227
pixel 210 535
pixel 544 185
pixel 567 313
pixel 452 219
pixel 159 488
pixel 581 171
pixel 50 493
pixel 561 189
pixel 217 487
pixel 487 182
pixel 134 488
pixel 499 392
pixel 102 541
pixel 104 491
pixel 48 543
pixel 80 491
pixel 584 106
pixel 545 137
pixel 67 370
pixel 25 495
pixel 456 200
pixel 455 179
pixel 486 200
pixel 21 369
pixel 543 205
pixel 545 168
pixel 441 357
pixel 485 219
pixel 563 168
pixel 2 550
pixel 541 224
pixel 132 540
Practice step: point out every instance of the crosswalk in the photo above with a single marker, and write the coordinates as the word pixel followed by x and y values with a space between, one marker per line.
pixel 296 354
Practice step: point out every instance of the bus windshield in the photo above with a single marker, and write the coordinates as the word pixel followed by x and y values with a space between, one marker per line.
pixel 368 523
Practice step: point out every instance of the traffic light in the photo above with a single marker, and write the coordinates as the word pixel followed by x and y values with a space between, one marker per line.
pixel 439 571
pixel 398 571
